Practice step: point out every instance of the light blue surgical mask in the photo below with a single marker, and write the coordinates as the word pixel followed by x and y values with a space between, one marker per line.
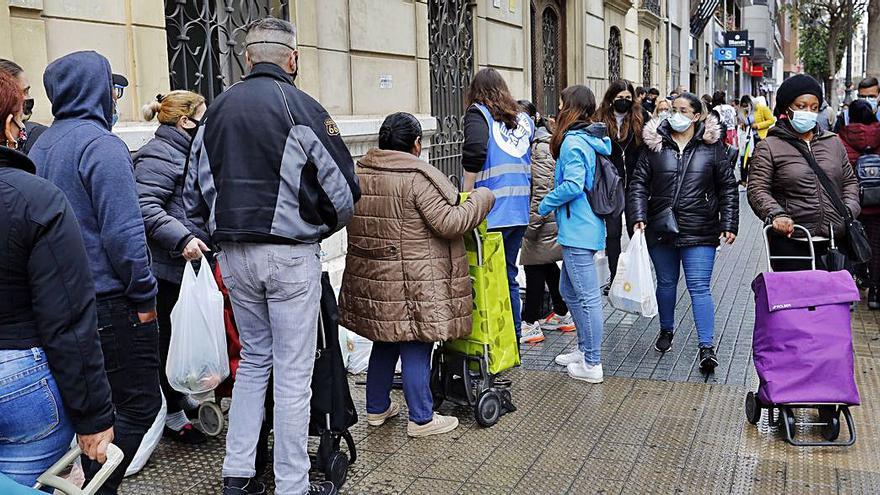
pixel 680 122
pixel 802 121
pixel 873 102
pixel 663 115
pixel 115 117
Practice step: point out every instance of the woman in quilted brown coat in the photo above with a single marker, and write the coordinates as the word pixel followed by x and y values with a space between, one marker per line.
pixel 406 282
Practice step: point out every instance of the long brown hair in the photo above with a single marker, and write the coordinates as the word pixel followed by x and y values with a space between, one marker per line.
pixel 489 89
pixel 633 122
pixel 578 105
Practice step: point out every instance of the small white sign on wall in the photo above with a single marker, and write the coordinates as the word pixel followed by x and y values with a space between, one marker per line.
pixel 496 4
pixel 386 81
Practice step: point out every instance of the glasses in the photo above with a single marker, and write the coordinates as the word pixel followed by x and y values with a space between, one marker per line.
pixel 118 90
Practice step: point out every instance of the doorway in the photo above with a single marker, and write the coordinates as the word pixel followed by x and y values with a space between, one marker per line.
pixel 548 54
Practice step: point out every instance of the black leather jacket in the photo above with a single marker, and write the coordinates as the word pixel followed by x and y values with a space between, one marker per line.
pixel 708 202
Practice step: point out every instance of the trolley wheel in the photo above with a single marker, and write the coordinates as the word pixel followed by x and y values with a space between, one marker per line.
pixel 788 417
pixel 211 418
pixel 753 408
pixel 488 408
pixel 831 430
pixel 336 468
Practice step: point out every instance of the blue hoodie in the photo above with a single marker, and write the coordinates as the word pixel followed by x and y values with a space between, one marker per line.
pixel 93 168
pixel 578 226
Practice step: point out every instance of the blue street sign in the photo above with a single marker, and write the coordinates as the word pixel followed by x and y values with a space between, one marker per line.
pixel 725 54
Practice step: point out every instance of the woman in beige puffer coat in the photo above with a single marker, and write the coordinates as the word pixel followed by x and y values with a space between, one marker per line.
pixel 406 282
pixel 540 252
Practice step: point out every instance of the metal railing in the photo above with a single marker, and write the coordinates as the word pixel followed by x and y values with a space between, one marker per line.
pixel 652 6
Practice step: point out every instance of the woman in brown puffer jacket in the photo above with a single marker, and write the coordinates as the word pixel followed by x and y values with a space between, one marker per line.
pixel 406 282
pixel 783 189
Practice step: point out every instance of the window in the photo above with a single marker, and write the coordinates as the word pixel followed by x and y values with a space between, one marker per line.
pixel 675 58
pixel 615 46
pixel 647 61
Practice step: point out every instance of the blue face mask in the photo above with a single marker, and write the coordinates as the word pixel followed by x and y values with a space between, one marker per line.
pixel 115 117
pixel 803 122
pixel 873 102
pixel 679 122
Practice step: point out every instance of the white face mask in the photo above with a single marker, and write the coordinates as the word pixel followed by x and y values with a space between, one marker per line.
pixel 680 122
pixel 663 115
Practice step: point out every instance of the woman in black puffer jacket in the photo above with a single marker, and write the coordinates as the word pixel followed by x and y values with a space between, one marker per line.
pixel 683 195
pixel 174 240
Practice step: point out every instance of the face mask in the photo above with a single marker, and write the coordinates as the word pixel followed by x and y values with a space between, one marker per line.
pixel 663 115
pixel 679 122
pixel 873 102
pixel 622 106
pixel 803 122
pixel 28 108
pixel 115 117
pixel 193 130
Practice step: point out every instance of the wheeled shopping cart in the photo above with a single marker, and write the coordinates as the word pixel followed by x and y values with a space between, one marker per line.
pixel 52 479
pixel 803 349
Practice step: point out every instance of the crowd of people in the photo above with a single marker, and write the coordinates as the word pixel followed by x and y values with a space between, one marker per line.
pixel 93 241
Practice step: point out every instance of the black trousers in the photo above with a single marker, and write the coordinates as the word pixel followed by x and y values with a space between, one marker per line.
pixel 537 277
pixel 784 246
pixel 165 301
pixel 872 228
pixel 131 359
pixel 613 233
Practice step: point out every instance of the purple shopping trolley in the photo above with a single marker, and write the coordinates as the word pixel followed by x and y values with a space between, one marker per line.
pixel 803 349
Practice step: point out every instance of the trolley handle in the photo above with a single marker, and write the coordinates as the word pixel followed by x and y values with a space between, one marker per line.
pixel 51 479
pixel 770 257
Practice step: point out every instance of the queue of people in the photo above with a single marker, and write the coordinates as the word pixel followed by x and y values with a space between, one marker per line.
pixel 102 239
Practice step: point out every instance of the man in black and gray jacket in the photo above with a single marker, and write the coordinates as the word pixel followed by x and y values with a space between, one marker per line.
pixel 271 177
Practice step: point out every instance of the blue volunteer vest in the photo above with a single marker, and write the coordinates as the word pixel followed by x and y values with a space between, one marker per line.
pixel 507 171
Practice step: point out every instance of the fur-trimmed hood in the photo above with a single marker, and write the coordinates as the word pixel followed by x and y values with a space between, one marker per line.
pixel 658 130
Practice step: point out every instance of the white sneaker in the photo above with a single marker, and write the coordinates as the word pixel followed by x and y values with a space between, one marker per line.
pixel 585 372
pixel 531 334
pixel 379 419
pixel 571 357
pixel 437 426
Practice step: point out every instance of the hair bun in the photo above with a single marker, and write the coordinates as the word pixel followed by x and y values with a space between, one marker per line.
pixel 150 110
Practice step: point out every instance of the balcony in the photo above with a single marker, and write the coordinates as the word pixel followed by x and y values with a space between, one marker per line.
pixel 649 13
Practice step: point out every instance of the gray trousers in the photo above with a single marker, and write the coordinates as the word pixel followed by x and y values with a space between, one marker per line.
pixel 275 291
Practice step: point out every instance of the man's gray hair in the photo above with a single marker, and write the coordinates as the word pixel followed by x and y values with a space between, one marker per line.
pixel 270 40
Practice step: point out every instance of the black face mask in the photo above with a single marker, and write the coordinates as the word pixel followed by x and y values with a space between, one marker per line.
pixel 193 130
pixel 622 106
pixel 28 107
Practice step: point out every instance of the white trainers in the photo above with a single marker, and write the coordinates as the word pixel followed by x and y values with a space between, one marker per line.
pixel 380 418
pixel 571 357
pixel 437 426
pixel 531 333
pixel 585 372
pixel 555 322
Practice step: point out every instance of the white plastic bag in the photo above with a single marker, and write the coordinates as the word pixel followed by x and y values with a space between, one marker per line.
pixel 197 359
pixel 149 442
pixel 602 269
pixel 359 353
pixel 633 288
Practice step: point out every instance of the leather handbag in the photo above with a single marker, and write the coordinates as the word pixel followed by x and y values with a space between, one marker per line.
pixel 664 222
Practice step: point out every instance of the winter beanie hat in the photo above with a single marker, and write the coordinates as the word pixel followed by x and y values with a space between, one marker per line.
pixel 792 88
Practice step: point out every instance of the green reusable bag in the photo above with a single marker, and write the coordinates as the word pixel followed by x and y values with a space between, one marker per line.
pixel 492 316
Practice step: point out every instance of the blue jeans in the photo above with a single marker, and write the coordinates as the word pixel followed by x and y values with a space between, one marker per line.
pixel 698 262
pixel 415 360
pixel 513 237
pixel 34 429
pixel 579 286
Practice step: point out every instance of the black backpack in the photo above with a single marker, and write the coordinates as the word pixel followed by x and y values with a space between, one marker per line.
pixel 606 197
pixel 868 173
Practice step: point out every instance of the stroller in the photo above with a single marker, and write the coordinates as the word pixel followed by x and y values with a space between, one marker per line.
pixel 464 371
pixel 51 478
pixel 332 408
pixel 803 348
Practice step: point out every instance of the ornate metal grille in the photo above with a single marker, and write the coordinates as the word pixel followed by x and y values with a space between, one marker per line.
pixel 550 28
pixel 614 48
pixel 205 49
pixel 647 61
pixel 451 42
pixel 652 6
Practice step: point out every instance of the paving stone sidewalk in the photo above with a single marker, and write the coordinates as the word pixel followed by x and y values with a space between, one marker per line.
pixel 655 426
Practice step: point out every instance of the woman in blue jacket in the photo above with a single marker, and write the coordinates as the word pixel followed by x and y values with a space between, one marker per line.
pixel 575 144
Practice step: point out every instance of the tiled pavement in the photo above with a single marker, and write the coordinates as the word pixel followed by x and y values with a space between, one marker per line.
pixel 655 426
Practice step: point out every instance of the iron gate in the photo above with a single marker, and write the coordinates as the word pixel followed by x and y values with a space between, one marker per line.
pixel 205 40
pixel 451 41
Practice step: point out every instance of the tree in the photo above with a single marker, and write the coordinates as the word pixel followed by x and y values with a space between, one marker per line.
pixel 824 36
pixel 873 64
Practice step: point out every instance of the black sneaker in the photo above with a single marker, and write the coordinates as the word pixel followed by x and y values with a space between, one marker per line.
pixel 187 435
pixel 664 341
pixel 873 298
pixel 606 289
pixel 243 486
pixel 708 360
pixel 323 488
